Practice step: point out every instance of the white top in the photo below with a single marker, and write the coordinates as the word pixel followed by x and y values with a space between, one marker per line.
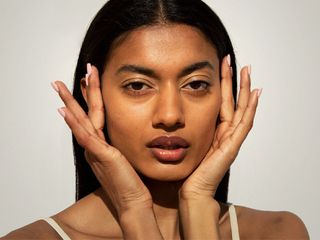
pixel 234 223
pixel 57 228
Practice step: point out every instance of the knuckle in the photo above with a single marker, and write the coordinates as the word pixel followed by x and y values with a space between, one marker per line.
pixel 114 154
pixel 67 97
pixel 247 125
pixel 96 108
pixel 240 107
pixel 232 150
pixel 85 140
pixel 83 120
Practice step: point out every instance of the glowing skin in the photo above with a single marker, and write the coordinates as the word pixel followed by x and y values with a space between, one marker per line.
pixel 147 94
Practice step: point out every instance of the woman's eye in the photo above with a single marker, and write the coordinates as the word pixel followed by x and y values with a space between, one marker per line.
pixel 197 85
pixel 136 88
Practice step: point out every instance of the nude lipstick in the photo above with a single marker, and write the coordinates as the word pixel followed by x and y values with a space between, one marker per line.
pixel 168 148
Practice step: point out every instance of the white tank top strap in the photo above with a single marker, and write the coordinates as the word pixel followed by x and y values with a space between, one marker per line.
pixel 234 223
pixel 57 228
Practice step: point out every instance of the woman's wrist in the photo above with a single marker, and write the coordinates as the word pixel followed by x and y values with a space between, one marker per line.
pixel 199 218
pixel 139 223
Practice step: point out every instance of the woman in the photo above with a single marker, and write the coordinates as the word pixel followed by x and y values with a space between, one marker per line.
pixel 156 126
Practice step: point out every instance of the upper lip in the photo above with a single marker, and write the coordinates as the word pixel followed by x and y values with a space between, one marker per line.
pixel 168 142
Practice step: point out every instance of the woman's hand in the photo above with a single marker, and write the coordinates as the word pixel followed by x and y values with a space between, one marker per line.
pixel 231 131
pixel 199 212
pixel 118 179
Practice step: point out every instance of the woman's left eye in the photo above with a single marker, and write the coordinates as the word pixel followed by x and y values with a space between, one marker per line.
pixel 197 85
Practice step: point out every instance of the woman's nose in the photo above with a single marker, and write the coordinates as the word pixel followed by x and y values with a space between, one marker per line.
pixel 168 110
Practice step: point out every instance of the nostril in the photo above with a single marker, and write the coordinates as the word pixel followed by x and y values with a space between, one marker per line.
pixel 169 128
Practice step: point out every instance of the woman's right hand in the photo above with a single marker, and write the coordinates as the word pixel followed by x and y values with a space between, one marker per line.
pixel 115 174
pixel 118 179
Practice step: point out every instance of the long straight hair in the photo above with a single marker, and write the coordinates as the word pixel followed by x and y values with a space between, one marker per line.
pixel 118 17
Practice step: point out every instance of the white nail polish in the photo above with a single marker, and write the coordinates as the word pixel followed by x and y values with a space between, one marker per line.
pixel 89 69
pixel 87 79
pixel 62 112
pixel 229 60
pixel 259 92
pixel 55 86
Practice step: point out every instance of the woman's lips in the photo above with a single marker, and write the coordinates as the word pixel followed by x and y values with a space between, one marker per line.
pixel 168 148
pixel 167 155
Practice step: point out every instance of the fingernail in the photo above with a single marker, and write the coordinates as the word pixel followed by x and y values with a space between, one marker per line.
pixel 259 92
pixel 229 60
pixel 62 112
pixel 55 86
pixel 89 69
pixel 231 70
pixel 87 79
pixel 249 69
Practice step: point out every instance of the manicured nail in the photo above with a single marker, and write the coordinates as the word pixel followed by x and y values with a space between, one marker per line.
pixel 55 86
pixel 249 69
pixel 231 70
pixel 89 69
pixel 62 112
pixel 229 60
pixel 259 92
pixel 87 79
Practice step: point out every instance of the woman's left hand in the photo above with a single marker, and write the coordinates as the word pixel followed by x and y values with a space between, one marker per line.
pixel 231 131
pixel 199 211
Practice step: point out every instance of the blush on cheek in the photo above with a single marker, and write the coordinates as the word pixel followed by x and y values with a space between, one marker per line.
pixel 208 129
pixel 115 126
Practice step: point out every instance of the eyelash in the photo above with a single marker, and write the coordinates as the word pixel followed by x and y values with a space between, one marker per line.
pixel 205 85
pixel 129 87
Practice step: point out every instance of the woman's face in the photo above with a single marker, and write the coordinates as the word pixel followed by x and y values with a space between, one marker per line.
pixel 161 91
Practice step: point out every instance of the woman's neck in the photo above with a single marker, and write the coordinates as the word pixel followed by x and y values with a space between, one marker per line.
pixel 165 196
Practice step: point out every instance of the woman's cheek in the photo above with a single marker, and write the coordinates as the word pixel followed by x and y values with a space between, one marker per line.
pixel 124 125
pixel 116 122
pixel 207 127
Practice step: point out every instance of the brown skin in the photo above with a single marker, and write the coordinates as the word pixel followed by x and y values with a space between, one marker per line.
pixel 170 194
pixel 91 211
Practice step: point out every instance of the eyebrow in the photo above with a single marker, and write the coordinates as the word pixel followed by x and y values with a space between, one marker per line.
pixel 194 67
pixel 137 69
pixel 151 73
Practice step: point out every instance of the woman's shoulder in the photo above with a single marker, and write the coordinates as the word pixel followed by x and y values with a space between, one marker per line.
pixel 73 221
pixel 258 224
pixel 37 230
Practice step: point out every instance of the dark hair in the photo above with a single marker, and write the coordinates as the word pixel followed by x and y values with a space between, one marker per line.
pixel 117 17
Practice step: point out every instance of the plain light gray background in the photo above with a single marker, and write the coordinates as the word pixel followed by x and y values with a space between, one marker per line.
pixel 277 168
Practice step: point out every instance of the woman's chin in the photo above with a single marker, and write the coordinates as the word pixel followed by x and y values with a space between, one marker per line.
pixel 166 175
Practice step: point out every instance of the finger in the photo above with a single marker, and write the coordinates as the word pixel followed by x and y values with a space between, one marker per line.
pixel 246 122
pixel 88 141
pixel 244 95
pixel 227 104
pixel 74 107
pixel 94 99
pixel 225 154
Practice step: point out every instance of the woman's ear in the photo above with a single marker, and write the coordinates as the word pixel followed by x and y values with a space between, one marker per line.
pixel 83 87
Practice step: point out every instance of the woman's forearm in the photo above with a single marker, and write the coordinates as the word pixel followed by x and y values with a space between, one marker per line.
pixel 140 224
pixel 199 218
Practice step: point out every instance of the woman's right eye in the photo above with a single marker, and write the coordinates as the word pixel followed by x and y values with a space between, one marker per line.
pixel 136 88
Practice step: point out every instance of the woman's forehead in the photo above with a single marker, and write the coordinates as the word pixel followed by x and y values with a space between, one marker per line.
pixel 163 44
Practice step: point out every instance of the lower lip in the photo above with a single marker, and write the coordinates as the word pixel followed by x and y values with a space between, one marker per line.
pixel 172 155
